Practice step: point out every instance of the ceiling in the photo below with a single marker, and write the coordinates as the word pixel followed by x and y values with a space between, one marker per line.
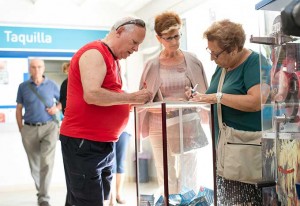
pixel 130 6
pixel 85 13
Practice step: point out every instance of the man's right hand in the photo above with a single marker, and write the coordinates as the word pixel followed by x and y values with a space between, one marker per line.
pixel 142 96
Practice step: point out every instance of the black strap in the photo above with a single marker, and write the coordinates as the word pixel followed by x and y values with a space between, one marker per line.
pixel 37 94
pixel 40 98
pixel 109 49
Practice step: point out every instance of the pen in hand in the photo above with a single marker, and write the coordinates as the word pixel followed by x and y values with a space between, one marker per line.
pixel 193 90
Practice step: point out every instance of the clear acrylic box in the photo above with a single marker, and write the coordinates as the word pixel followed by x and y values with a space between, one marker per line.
pixel 174 158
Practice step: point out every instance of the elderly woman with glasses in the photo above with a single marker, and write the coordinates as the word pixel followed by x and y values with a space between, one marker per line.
pixel 240 97
pixel 167 76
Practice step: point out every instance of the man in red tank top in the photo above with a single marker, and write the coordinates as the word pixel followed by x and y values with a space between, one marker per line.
pixel 97 111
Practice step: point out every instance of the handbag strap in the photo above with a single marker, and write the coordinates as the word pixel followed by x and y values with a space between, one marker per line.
pixel 220 85
pixel 37 94
pixel 40 98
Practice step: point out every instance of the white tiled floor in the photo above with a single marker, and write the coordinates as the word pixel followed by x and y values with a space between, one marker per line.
pixel 25 196
pixel 16 185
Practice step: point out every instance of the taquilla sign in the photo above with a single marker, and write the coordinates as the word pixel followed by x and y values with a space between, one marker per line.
pixel 24 39
pixel 46 39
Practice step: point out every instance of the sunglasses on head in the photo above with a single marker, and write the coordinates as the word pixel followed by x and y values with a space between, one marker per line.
pixel 138 22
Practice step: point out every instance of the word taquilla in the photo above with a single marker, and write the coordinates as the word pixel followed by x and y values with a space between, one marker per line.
pixel 33 38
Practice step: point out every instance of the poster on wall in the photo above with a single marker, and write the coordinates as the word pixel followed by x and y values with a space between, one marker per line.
pixel 12 72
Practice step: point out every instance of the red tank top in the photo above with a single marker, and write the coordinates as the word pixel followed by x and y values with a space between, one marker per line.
pixel 96 123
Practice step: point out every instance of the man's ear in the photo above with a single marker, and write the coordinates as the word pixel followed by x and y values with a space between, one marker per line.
pixel 120 30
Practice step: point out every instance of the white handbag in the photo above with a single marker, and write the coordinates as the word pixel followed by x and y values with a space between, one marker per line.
pixel 239 155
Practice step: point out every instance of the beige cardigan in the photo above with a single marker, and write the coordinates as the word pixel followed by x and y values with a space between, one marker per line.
pixel 151 78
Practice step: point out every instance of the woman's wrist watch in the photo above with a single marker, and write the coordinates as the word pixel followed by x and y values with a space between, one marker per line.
pixel 219 96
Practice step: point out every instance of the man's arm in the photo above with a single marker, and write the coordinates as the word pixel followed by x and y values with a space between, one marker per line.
pixel 93 70
pixel 19 116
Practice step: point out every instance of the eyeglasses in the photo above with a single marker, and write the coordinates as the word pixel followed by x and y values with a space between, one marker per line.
pixel 138 22
pixel 168 39
pixel 215 56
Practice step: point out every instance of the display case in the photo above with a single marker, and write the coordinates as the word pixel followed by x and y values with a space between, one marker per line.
pixel 174 156
pixel 280 88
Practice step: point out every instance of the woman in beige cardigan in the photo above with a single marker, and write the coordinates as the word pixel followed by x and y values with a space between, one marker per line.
pixel 168 76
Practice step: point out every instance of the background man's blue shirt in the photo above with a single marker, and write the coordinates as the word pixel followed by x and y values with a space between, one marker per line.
pixel 35 110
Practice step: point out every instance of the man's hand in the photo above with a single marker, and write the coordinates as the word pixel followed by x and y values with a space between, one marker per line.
pixel 53 110
pixel 142 96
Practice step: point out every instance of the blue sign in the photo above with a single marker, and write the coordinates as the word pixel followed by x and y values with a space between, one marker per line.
pixel 46 39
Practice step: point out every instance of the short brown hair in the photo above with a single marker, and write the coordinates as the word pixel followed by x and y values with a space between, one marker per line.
pixel 65 67
pixel 227 34
pixel 165 20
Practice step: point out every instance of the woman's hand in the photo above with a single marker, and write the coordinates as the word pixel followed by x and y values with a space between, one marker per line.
pixel 205 98
pixel 188 92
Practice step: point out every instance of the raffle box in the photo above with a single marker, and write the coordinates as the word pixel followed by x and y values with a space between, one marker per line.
pixel 177 136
